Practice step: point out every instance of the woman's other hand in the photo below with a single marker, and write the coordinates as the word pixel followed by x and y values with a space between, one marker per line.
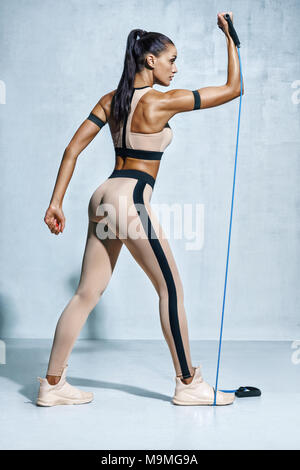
pixel 55 219
pixel 222 23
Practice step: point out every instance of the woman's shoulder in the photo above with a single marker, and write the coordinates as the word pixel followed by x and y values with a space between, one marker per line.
pixel 105 101
pixel 152 97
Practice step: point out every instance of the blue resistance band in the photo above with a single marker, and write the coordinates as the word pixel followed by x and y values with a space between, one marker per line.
pixel 229 237
pixel 242 391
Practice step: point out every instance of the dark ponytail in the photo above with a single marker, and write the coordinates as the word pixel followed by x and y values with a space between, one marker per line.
pixel 139 44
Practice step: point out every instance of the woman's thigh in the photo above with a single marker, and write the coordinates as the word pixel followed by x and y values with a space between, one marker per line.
pixel 122 206
pixel 99 260
pixel 144 237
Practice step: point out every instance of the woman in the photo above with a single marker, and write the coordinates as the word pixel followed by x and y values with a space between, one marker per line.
pixel 138 118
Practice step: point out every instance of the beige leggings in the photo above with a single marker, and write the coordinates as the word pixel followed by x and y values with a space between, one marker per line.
pixel 120 213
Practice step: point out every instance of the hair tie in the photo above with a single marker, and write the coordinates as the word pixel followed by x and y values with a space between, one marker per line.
pixel 141 35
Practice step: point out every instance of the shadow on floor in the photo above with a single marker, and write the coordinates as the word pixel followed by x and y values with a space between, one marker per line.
pixel 23 367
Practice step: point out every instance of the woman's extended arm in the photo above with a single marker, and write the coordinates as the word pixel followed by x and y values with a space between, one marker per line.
pixel 54 216
pixel 178 101
pixel 217 95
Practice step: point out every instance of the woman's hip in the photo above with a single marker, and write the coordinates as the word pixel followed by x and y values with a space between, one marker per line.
pixel 119 193
pixel 137 175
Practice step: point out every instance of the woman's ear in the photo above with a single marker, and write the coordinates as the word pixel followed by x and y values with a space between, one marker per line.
pixel 150 60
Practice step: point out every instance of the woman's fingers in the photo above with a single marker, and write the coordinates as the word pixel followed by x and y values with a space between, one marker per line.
pixel 222 23
pixel 230 14
pixel 56 227
pixel 55 223
pixel 60 224
pixel 222 19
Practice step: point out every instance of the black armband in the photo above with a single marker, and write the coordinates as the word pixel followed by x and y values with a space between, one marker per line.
pixel 197 98
pixel 92 117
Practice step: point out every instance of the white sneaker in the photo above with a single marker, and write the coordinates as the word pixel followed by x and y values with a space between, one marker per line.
pixel 62 393
pixel 199 392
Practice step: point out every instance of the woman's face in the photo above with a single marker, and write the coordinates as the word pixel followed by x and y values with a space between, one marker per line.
pixel 165 67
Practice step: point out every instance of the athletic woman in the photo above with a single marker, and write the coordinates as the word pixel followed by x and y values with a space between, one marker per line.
pixel 120 213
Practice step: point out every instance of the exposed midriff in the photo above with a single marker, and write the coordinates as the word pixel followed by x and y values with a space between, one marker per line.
pixel 128 163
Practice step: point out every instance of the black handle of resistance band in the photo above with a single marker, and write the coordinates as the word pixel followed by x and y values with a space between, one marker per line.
pixel 232 31
pixel 243 392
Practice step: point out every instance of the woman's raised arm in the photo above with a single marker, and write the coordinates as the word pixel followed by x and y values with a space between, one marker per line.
pixel 86 132
pixel 217 95
pixel 178 101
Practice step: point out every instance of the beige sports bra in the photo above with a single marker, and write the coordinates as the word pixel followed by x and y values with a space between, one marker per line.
pixel 138 145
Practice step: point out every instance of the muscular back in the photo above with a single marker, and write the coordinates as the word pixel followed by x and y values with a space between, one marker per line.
pixel 151 115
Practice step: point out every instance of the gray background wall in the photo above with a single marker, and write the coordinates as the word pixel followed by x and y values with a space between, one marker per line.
pixel 57 59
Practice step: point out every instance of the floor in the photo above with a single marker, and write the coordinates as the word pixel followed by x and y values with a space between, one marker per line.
pixel 133 383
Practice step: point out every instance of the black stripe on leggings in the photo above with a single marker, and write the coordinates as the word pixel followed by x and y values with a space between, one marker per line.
pixel 165 268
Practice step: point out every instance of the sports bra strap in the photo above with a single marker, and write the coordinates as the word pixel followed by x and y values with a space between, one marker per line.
pixel 133 104
pixel 135 153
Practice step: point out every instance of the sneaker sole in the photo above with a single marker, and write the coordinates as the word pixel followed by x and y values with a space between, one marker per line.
pixel 62 402
pixel 193 403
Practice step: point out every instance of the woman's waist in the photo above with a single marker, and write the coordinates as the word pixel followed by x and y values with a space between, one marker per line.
pixel 135 174
pixel 127 163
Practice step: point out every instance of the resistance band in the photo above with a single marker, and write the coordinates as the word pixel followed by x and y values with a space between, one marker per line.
pixel 242 391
